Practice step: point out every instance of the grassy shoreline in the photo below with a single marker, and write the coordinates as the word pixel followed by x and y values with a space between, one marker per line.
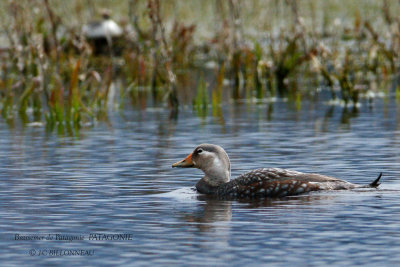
pixel 174 53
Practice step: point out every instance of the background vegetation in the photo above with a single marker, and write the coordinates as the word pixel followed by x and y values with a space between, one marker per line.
pixel 198 53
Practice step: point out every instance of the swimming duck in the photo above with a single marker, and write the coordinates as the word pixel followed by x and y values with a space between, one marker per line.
pixel 265 182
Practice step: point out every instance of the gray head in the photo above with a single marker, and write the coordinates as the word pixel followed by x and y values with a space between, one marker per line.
pixel 212 160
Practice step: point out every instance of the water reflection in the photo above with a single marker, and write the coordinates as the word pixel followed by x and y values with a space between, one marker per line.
pixel 348 114
pixel 211 210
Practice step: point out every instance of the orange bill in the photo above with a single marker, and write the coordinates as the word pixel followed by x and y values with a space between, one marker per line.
pixel 186 163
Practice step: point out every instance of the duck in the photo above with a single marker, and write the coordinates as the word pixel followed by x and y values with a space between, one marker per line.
pixel 106 28
pixel 103 35
pixel 260 183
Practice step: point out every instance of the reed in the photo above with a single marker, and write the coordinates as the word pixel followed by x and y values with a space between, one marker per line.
pixel 201 102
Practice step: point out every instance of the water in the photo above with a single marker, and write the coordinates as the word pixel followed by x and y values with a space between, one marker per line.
pixel 117 179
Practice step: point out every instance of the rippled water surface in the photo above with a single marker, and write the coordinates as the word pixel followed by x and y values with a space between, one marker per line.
pixel 117 178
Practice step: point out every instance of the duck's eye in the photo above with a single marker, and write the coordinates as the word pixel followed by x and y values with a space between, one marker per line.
pixel 199 151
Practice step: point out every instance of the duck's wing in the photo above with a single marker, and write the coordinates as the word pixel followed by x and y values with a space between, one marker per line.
pixel 323 182
pixel 275 182
pixel 277 174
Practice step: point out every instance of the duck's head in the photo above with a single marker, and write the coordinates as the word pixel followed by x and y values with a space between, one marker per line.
pixel 106 14
pixel 212 160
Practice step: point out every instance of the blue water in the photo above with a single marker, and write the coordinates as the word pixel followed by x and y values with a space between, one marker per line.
pixel 116 178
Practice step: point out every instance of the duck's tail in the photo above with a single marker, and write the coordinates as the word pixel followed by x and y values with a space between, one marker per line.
pixel 376 183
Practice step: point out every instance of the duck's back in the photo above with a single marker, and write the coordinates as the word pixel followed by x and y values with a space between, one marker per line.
pixel 275 182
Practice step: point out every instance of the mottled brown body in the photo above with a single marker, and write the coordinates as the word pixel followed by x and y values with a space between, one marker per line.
pixel 269 189
pixel 260 183
pixel 273 182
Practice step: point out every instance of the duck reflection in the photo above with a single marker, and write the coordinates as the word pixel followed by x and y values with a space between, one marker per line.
pixel 291 202
pixel 214 209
